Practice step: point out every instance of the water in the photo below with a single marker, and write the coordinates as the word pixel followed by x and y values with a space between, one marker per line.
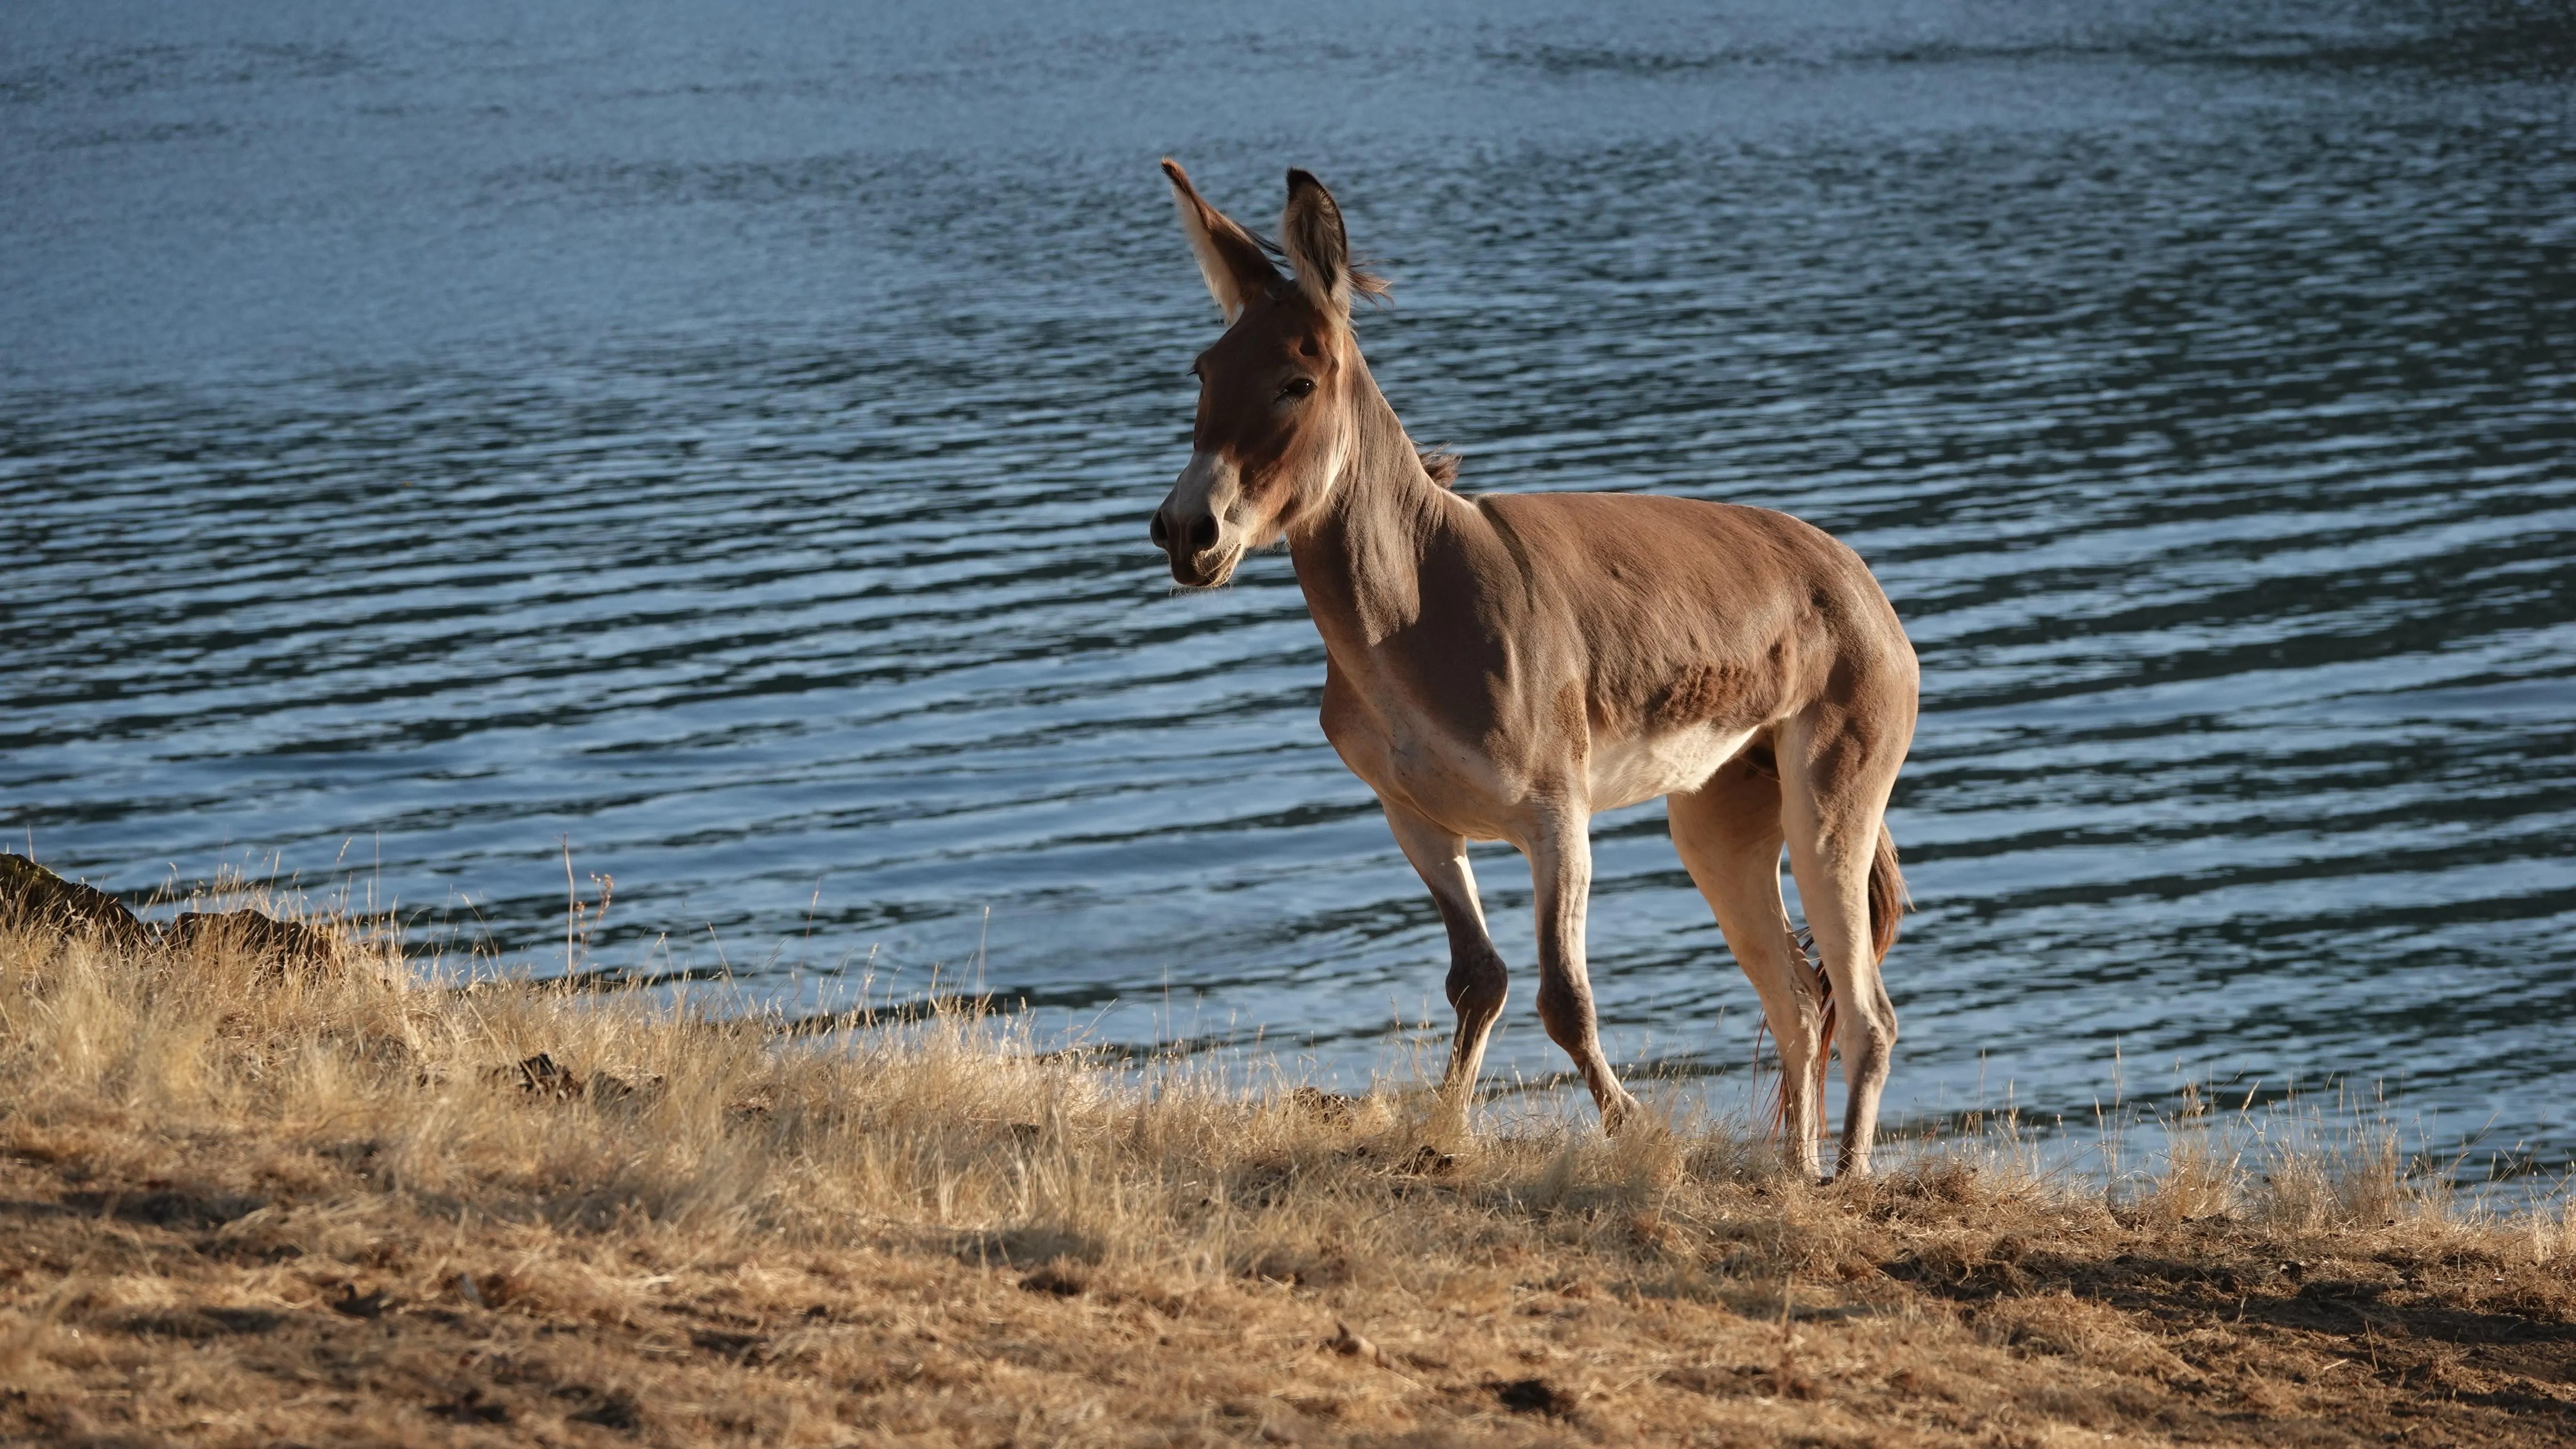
pixel 719 443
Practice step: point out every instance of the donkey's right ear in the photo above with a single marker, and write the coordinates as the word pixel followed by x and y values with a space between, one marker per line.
pixel 1228 257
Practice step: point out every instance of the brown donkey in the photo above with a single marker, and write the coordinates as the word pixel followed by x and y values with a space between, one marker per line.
pixel 1501 667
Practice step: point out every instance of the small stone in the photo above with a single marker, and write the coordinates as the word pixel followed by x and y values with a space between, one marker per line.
pixel 32 897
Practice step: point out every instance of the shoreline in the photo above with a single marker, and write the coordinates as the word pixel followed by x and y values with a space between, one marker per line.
pixel 1696 1084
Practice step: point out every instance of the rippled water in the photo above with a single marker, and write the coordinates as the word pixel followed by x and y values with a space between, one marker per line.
pixel 722 441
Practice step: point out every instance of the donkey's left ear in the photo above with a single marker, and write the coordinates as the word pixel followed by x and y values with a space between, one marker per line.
pixel 1312 229
pixel 1229 257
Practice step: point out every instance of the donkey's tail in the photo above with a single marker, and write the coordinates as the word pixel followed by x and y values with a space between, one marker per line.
pixel 1887 903
pixel 1887 898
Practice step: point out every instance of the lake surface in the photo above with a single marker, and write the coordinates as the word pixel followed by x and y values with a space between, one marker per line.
pixel 719 442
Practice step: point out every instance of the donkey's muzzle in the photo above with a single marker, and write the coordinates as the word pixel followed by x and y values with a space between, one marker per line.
pixel 1187 542
pixel 1199 536
pixel 1190 526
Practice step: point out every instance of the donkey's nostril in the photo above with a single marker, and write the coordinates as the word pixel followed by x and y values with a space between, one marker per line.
pixel 1161 535
pixel 1203 533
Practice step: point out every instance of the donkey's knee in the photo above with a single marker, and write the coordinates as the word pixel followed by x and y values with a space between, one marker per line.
pixel 1478 984
pixel 1873 1024
pixel 1867 1038
pixel 1565 1009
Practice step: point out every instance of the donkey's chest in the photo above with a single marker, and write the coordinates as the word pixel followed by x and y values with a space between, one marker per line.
pixel 1430 766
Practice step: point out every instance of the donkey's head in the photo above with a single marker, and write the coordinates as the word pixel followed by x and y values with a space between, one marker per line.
pixel 1276 423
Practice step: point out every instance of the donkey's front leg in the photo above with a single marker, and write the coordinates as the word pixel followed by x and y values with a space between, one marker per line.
pixel 1477 980
pixel 1560 857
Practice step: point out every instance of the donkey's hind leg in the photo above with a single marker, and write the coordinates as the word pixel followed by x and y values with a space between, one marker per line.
pixel 1478 981
pixel 1728 835
pixel 1833 796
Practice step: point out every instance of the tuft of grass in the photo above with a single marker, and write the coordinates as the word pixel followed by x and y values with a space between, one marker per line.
pixel 352 1203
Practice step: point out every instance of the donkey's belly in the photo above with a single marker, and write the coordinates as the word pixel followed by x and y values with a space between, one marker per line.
pixel 1627 770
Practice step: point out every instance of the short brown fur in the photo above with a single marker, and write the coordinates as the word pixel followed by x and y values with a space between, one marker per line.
pixel 1502 667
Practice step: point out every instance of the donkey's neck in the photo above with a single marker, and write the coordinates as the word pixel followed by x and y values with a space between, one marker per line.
pixel 1360 562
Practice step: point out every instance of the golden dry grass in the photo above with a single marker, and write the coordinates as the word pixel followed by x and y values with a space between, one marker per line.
pixel 336 1208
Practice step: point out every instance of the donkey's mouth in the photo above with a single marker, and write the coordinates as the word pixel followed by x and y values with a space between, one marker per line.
pixel 1204 572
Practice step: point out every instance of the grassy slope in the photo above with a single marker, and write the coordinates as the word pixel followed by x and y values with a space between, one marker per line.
pixel 246 1210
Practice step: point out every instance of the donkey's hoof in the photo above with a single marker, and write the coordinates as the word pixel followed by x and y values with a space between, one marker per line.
pixel 1620 1112
pixel 1451 1113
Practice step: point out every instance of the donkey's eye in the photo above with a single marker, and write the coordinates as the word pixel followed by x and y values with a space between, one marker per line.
pixel 1298 387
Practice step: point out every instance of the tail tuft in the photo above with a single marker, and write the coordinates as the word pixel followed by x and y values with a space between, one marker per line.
pixel 1888 902
pixel 1802 945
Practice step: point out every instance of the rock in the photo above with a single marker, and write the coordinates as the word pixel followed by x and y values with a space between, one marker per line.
pixel 34 898
pixel 282 945
pixel 1351 1345
pixel 543 1075
pixel 1533 1396
pixel 1321 1105
pixel 1062 1279
pixel 349 1302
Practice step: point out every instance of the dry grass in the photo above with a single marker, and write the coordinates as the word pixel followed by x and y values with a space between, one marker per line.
pixel 336 1208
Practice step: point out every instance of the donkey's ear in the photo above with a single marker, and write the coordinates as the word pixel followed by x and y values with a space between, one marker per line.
pixel 1228 256
pixel 1312 229
pixel 1312 226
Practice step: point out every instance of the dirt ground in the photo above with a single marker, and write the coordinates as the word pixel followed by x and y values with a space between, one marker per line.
pixel 230 1289
pixel 247 1209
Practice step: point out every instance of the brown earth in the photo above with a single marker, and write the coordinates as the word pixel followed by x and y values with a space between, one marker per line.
pixel 334 1208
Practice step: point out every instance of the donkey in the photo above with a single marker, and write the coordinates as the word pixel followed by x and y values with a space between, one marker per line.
pixel 1501 667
